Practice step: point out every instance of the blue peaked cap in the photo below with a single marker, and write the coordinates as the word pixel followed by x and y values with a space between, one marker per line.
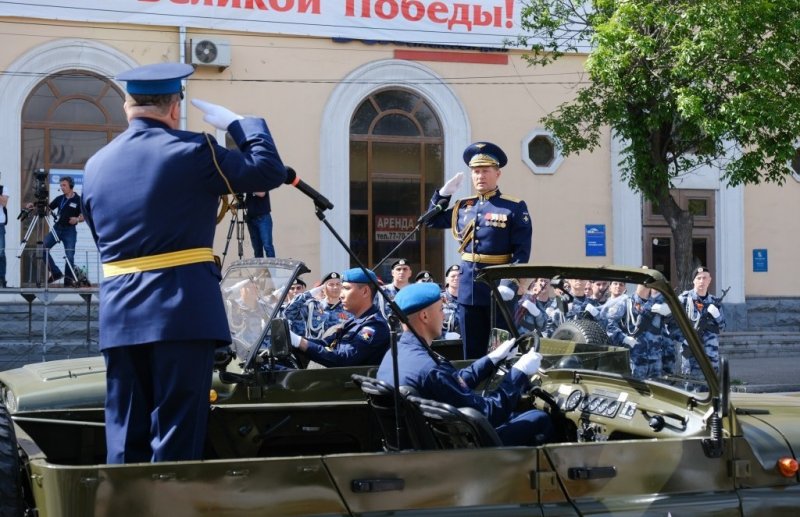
pixel 156 79
pixel 485 154
pixel 357 276
pixel 415 297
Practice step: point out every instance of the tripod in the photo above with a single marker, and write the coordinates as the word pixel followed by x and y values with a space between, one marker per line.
pixel 237 221
pixel 40 220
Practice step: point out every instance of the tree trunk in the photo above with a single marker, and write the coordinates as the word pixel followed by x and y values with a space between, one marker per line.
pixel 681 223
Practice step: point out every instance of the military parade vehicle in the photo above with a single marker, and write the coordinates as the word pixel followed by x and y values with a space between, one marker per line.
pixel 286 438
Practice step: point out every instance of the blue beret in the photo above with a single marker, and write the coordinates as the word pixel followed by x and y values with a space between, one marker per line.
pixel 415 297
pixel 484 154
pixel 357 276
pixel 156 79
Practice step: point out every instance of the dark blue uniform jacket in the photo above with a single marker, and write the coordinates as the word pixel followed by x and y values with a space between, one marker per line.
pixel 155 190
pixel 502 226
pixel 440 381
pixel 358 341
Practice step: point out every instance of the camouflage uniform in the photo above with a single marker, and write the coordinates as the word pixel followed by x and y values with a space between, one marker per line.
pixel 708 329
pixel 632 317
pixel 527 322
pixel 310 317
pixel 450 308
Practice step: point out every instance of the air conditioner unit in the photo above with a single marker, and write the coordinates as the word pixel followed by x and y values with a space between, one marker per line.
pixel 209 52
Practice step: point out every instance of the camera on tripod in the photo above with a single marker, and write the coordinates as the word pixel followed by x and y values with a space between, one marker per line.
pixel 40 195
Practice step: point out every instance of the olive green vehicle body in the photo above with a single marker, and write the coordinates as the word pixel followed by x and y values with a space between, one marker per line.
pixel 306 442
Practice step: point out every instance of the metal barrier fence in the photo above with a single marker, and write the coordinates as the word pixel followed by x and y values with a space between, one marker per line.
pixel 33 270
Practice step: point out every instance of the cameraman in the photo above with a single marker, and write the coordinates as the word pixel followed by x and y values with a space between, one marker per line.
pixel 68 216
pixel 259 223
pixel 3 223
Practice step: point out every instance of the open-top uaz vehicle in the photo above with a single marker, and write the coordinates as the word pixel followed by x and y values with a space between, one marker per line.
pixel 285 441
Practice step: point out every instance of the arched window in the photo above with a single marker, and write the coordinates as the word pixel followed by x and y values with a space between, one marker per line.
pixel 396 163
pixel 65 120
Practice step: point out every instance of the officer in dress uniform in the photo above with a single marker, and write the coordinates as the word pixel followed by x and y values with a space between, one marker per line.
pixel 150 200
pixel 490 228
pixel 315 311
pixel 706 314
pixel 433 377
pixel 361 340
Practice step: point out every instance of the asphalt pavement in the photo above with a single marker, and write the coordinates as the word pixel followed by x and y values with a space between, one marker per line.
pixel 765 374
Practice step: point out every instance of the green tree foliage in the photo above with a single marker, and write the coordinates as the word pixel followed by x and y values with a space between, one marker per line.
pixel 683 84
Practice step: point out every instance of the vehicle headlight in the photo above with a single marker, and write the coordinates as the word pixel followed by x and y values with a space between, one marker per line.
pixel 10 400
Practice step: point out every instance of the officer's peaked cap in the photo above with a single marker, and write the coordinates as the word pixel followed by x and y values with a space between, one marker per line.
pixel 485 154
pixel 415 297
pixel 156 79
pixel 357 276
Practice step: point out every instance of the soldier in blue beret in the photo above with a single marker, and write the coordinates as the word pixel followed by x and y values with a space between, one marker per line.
pixel 361 340
pixel 433 377
pixel 150 200
pixel 490 228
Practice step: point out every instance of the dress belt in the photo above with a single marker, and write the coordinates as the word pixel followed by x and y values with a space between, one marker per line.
pixel 160 261
pixel 481 258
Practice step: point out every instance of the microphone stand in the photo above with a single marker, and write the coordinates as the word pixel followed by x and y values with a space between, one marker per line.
pixel 320 211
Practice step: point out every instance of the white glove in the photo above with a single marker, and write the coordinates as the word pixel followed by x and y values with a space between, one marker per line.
pixel 215 115
pixel 502 351
pixel 452 185
pixel 531 307
pixel 506 293
pixel 551 311
pixel 591 309
pixel 452 335
pixel 629 341
pixel 661 308
pixel 317 291
pixel 712 309
pixel 295 339
pixel 529 363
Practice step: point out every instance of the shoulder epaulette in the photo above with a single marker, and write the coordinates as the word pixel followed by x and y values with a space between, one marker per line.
pixel 510 198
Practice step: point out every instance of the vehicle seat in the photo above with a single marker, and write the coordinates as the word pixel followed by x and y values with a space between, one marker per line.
pixel 414 433
pixel 456 428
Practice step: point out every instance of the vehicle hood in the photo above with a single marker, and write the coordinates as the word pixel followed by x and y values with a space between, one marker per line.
pixel 769 424
pixel 69 383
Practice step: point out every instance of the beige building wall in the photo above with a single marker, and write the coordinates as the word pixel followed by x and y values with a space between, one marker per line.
pixel 772 216
pixel 290 81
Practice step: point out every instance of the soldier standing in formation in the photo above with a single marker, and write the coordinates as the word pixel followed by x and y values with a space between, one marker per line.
pixel 313 312
pixel 490 228
pixel 706 314
pixel 450 325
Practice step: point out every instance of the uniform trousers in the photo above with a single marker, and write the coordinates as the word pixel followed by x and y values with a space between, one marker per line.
pixel 476 327
pixel 157 400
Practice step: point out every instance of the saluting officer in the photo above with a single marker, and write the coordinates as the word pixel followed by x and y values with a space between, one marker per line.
pixel 491 228
pixel 150 200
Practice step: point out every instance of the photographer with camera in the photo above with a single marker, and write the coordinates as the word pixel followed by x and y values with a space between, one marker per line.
pixel 68 214
pixel 3 223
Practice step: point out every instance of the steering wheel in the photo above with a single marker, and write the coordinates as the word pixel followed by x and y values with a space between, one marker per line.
pixel 503 366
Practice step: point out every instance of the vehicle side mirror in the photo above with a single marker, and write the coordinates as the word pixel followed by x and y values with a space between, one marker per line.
pixel 279 337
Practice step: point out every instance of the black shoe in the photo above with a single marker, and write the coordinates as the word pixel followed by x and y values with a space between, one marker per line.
pixel 54 278
pixel 3 284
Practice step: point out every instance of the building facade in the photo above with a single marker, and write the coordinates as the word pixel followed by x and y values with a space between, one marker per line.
pixel 376 127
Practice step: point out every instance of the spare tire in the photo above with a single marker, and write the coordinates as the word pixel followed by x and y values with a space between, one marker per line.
pixel 11 502
pixel 582 331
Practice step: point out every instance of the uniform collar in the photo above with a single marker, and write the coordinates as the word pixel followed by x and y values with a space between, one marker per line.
pixel 144 123
pixel 488 195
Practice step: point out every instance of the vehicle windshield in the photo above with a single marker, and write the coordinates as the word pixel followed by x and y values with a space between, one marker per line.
pixel 623 322
pixel 253 291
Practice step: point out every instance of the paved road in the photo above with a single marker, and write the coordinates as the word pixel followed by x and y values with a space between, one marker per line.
pixel 762 374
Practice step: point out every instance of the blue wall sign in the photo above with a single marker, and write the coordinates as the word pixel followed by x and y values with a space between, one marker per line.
pixel 595 240
pixel 760 261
